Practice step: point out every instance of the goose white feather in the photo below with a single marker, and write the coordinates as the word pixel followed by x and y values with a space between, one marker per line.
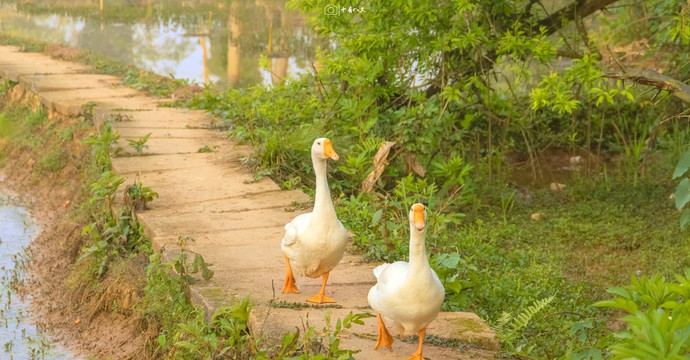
pixel 408 296
pixel 314 242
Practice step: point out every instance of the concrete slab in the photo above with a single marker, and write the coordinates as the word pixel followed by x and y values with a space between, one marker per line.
pixel 54 82
pixel 6 49
pixel 200 223
pixel 131 165
pixel 167 133
pixel 188 185
pixel 273 322
pixel 160 145
pixel 70 102
pixel 14 71
pixel 162 118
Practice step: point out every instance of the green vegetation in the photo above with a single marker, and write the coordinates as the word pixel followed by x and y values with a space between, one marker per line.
pixel 464 89
pixel 469 92
pixel 139 144
pixel 113 244
pixel 658 318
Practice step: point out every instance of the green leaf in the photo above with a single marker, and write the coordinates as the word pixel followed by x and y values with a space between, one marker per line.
pixel 197 263
pixel 206 273
pixel 683 193
pixel 619 291
pixel 454 286
pixel 683 165
pixel 684 218
pixel 161 340
pixel 580 329
pixel 591 353
pixel 376 217
pixel 452 261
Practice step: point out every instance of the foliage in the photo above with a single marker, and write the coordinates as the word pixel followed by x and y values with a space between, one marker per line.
pixel 183 274
pixel 464 88
pixel 682 194
pixel 508 326
pixel 5 86
pixel 139 144
pixel 658 320
pixel 102 146
pixel 137 196
pixel 120 235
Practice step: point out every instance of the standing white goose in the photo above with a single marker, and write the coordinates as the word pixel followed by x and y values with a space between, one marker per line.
pixel 407 295
pixel 314 242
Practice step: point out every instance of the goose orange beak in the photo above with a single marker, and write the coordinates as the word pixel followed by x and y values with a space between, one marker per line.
pixel 328 150
pixel 418 217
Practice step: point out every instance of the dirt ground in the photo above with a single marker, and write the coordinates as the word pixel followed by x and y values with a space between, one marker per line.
pixel 92 320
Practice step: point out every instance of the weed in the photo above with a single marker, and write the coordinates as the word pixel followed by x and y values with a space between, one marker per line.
pixel 657 318
pixel 138 196
pixel 139 144
pixel 183 272
pixel 53 161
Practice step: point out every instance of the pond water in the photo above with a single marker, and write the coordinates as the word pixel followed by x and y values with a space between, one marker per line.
pixel 19 338
pixel 205 41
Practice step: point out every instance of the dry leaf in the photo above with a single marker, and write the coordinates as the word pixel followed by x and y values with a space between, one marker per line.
pixel 380 162
pixel 537 216
pixel 557 186
pixel 413 165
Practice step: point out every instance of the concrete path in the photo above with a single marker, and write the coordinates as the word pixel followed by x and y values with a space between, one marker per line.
pixel 237 222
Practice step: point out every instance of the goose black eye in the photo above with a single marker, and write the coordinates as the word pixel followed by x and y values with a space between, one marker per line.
pixel 318 143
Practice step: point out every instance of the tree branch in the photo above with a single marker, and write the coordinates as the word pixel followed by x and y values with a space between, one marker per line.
pixel 552 23
pixel 583 8
pixel 653 78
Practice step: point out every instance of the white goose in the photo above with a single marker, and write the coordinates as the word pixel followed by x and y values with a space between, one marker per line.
pixel 407 295
pixel 314 242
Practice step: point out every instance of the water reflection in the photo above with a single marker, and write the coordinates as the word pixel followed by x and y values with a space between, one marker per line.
pixel 204 40
pixel 19 338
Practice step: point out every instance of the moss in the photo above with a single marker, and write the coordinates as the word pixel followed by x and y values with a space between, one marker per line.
pixel 467 325
pixel 301 305
pixel 215 295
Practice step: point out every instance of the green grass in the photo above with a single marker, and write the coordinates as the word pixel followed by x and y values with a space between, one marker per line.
pixel 52 161
pixel 592 238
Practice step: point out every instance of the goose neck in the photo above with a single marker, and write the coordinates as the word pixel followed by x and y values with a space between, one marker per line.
pixel 323 205
pixel 418 259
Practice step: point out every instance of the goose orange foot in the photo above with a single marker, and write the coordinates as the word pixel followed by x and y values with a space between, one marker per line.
pixel 384 338
pixel 418 354
pixel 321 297
pixel 290 285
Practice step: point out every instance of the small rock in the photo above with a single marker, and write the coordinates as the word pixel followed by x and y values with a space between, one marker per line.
pixel 537 216
pixel 557 186
pixel 574 160
pixel 77 322
pixel 672 196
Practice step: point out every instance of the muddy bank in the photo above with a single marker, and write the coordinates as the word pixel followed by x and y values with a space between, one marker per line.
pixel 18 333
pixel 72 308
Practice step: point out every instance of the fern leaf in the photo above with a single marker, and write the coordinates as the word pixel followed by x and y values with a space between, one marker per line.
pixel 523 318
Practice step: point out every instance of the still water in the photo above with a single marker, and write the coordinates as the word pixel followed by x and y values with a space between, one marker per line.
pixel 19 338
pixel 205 41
